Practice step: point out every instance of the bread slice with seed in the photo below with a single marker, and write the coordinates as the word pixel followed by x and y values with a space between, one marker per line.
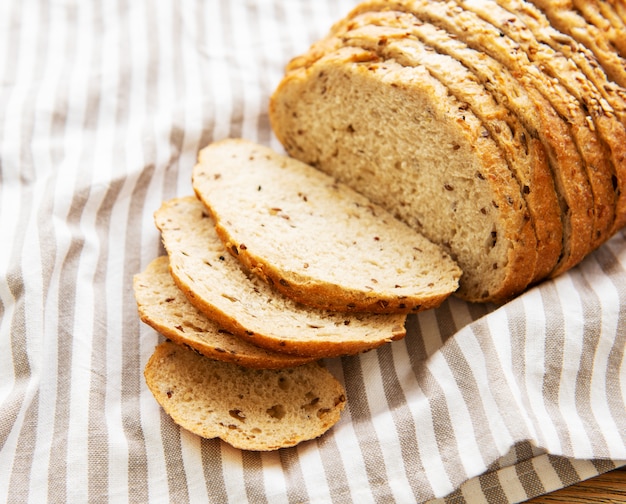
pixel 250 409
pixel 315 240
pixel 163 306
pixel 216 283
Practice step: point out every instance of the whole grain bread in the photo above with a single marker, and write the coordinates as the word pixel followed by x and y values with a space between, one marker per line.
pixel 217 284
pixel 600 120
pixel 250 409
pixel 611 102
pixel 569 21
pixel 315 240
pixel 163 306
pixel 386 34
pixel 401 139
pixel 534 110
pixel 586 151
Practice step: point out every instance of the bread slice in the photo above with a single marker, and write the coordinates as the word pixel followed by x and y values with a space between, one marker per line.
pixel 315 240
pixel 250 409
pixel 217 284
pixel 401 139
pixel 163 306
pixel 525 155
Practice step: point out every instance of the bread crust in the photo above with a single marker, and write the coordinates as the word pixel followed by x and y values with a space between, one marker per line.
pixel 610 99
pixel 606 163
pixel 602 15
pixel 568 21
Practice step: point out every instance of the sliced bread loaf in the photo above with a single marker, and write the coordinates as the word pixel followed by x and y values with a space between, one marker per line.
pixel 250 409
pixel 163 306
pixel 533 109
pixel 609 96
pixel 315 240
pixel 399 137
pixel 598 118
pixel 217 284
pixel 524 154
pixel 587 182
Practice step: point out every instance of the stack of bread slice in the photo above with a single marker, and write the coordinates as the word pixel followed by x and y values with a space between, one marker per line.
pixel 494 127
pixel 271 266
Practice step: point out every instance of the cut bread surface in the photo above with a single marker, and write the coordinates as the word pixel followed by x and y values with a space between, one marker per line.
pixel 401 139
pixel 314 239
pixel 164 307
pixel 216 283
pixel 386 34
pixel 250 409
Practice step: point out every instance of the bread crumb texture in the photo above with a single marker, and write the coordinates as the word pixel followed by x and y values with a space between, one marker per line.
pixel 250 409
pixel 164 307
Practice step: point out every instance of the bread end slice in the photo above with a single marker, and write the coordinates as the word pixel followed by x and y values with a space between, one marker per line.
pixel 250 409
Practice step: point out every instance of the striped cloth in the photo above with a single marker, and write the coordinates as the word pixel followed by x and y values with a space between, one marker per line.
pixel 103 107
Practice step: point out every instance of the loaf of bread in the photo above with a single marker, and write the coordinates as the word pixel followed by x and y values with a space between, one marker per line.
pixel 390 102
pixel 217 284
pixel 317 241
pixel 251 409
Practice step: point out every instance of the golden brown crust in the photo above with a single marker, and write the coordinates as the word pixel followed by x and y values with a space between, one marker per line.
pixel 600 134
pixel 605 100
pixel 573 24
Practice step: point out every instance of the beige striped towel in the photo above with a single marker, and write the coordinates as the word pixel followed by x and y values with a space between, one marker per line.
pixel 103 107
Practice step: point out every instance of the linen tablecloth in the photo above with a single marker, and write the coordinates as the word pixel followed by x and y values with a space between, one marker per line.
pixel 103 108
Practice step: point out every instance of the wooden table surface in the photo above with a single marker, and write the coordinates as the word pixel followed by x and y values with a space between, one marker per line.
pixel 608 488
